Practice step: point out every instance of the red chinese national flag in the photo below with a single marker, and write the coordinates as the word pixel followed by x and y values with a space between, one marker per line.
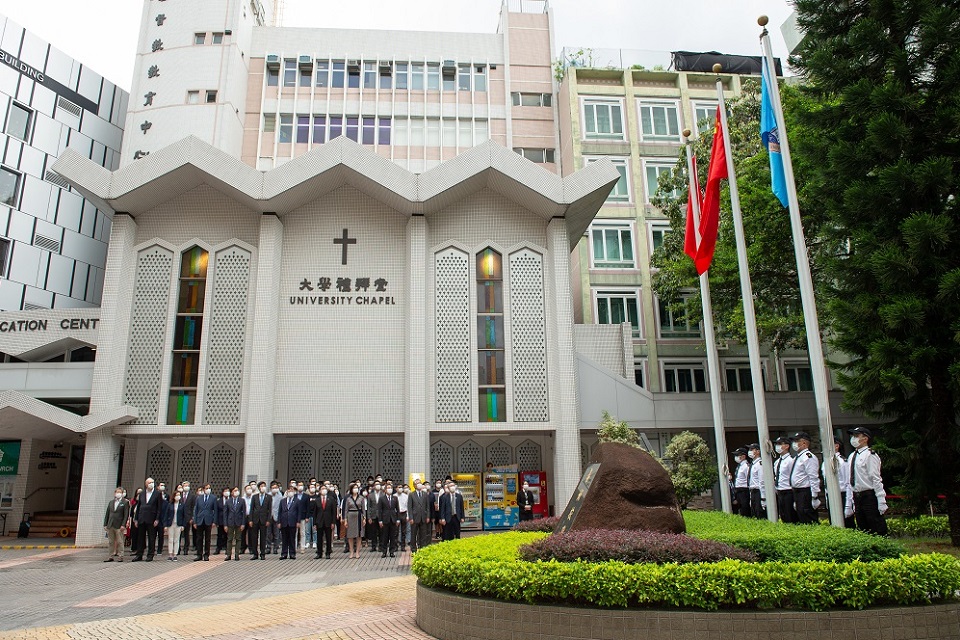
pixel 710 211
pixel 690 234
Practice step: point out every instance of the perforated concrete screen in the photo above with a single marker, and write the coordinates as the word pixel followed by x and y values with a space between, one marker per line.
pixel 453 336
pixel 528 333
pixel 148 329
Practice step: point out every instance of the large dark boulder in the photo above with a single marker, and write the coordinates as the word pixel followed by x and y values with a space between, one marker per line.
pixel 630 490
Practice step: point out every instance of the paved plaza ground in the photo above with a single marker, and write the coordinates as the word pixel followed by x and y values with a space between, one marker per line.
pixel 72 594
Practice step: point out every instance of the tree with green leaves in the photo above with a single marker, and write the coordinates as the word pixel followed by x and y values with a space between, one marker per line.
pixel 767 229
pixel 879 137
pixel 612 430
pixel 691 465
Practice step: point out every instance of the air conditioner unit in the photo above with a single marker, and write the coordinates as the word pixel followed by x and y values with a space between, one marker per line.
pixel 386 68
pixel 353 66
pixel 305 62
pixel 273 62
pixel 449 67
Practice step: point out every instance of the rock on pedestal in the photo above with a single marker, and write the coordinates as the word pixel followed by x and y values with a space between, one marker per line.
pixel 630 490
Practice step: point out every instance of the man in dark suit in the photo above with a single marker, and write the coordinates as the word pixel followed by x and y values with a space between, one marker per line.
pixel 289 523
pixel 115 524
pixel 221 522
pixel 235 519
pixel 148 517
pixel 451 512
pixel 188 501
pixel 164 506
pixel 389 522
pixel 204 515
pixel 525 502
pixel 419 507
pixel 325 519
pixel 258 519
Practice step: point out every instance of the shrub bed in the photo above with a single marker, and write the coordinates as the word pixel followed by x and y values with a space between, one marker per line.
pixel 631 547
pixel 542 525
pixel 788 542
pixel 919 527
pixel 489 566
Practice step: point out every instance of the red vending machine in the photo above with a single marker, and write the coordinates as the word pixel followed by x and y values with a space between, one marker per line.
pixel 538 486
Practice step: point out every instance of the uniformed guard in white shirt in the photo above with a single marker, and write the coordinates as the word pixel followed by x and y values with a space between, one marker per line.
pixel 741 483
pixel 843 478
pixel 758 503
pixel 805 479
pixel 867 499
pixel 782 467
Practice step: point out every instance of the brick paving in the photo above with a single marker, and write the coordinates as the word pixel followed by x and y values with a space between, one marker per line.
pixel 72 594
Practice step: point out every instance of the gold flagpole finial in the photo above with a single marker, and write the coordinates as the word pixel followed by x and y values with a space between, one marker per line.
pixel 717 68
pixel 686 133
pixel 763 21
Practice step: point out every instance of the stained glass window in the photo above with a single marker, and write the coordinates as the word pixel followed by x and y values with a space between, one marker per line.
pixel 490 345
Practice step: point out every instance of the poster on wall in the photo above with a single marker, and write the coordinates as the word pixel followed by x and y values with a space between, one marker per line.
pixel 9 465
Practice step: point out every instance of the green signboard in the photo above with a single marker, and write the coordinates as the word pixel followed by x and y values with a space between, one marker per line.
pixel 9 457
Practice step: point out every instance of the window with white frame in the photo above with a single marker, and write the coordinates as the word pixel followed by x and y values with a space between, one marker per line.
pixel 621 190
pixel 19 120
pixel 652 172
pixel 704 115
pixel 659 121
pixel 9 187
pixel 684 377
pixel 612 245
pixel 531 99
pixel 639 373
pixel 536 155
pixel 738 376
pixel 286 128
pixel 617 307
pixel 674 322
pixel 4 252
pixel 290 73
pixel 799 376
pixel 658 232
pixel 602 119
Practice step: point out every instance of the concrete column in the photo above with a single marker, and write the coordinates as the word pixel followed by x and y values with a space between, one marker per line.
pixel 113 338
pixel 258 456
pixel 416 446
pixel 567 423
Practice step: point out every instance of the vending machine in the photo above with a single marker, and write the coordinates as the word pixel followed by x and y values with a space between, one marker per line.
pixel 538 487
pixel 500 488
pixel 468 484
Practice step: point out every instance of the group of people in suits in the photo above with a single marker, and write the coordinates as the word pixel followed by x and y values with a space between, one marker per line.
pixel 262 520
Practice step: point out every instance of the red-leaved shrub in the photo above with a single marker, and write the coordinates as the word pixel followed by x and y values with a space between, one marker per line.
pixel 545 525
pixel 634 547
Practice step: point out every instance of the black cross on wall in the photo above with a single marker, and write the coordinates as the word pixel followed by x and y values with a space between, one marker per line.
pixel 345 241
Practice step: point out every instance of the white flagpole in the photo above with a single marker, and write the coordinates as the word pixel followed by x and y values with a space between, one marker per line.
pixel 713 357
pixel 807 299
pixel 749 315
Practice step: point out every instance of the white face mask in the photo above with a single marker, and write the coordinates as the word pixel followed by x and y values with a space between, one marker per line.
pixel 118 495
pixel 289 494
pixel 236 494
pixel 274 491
pixel 376 487
pixel 226 494
pixel 150 486
pixel 206 491
pixel 186 489
pixel 752 454
pixel 795 446
pixel 782 448
pixel 389 491
pixel 263 489
pixel 855 442
pixel 323 492
pixel 249 492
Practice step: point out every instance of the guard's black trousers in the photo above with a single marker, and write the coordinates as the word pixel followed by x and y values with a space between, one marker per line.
pixel 743 501
pixel 785 505
pixel 867 513
pixel 757 510
pixel 803 500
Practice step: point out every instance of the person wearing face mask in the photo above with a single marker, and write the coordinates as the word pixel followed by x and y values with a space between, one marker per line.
pixel 325 518
pixel 389 510
pixel 174 520
pixel 204 515
pixel 843 479
pixel 189 501
pixel 403 497
pixel 164 505
pixel 451 512
pixel 258 519
pixel 133 531
pixel 525 502
pixel 741 483
pixel 307 501
pixel 435 509
pixel 805 479
pixel 758 503
pixel 115 524
pixel 247 510
pixel 782 467
pixel 419 509
pixel 221 523
pixel 235 519
pixel 374 522
pixel 148 518
pixel 353 515
pixel 867 499
pixel 273 529
pixel 289 523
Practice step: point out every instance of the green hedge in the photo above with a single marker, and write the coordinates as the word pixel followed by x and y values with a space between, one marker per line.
pixel 488 566
pixel 789 542
pixel 920 527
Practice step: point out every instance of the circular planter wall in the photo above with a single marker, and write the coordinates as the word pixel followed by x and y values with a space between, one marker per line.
pixel 450 616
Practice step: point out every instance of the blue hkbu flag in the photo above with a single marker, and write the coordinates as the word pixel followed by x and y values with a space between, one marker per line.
pixel 771 139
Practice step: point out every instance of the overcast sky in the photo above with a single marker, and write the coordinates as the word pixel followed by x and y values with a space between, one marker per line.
pixel 103 33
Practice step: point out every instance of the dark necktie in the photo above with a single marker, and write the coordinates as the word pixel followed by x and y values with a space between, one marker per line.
pixel 853 470
pixel 779 462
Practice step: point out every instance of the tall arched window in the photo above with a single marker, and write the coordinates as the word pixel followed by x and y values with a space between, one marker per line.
pixel 492 381
pixel 185 371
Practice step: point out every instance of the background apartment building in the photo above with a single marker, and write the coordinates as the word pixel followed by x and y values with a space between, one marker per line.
pixel 53 242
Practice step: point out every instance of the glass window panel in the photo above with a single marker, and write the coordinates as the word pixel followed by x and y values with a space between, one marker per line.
pixel 700 380
pixel 385 124
pixel 670 380
pixel 463 77
pixel 617 311
pixel 18 122
pixel 319 129
pixel 339 73
pixel 417 126
pixel 186 366
pixel 289 73
pixel 480 78
pixel 612 245
pixel 353 79
pixel 433 132
pixel 590 118
pixel 598 252
pixel 191 296
pixel 732 380
pixel 269 122
pixel 369 76
pixel 449 132
pixel 490 332
pixel 193 263
pixel 603 119
pixel 182 407
pixel 218 38
pixel 323 73
pixel 199 38
pixel 659 121
pixel 417 71
pixel 336 126
pixel 626 245
pixel 305 76
pixel 616 119
pixel 273 77
pixel 187 333
pixel 9 186
pixel 400 73
pixel 369 130
pixel 353 128
pixel 433 76
pixel 491 368
pixel 633 317
pixel 489 265
pixel 466 134
pixel 638 375
pixel 303 129
pixel 746 381
pixel 492 405
pixel 286 128
pixel 401 131
pixel 490 296
pixel 481 131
